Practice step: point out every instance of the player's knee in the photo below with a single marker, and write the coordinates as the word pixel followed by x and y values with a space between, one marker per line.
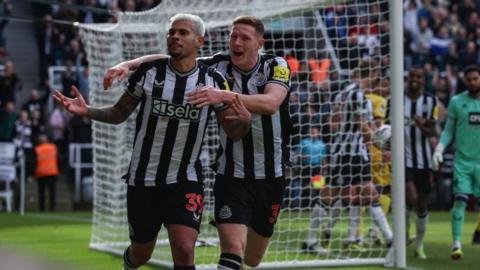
pixel 183 252
pixel 412 200
pixel 252 260
pixel 233 247
pixel 140 257
pixel 252 264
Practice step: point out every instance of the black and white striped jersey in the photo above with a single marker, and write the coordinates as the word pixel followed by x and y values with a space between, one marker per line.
pixel 262 152
pixel 418 150
pixel 348 140
pixel 169 131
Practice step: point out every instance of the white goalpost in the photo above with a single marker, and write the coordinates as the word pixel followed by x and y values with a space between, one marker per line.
pixel 328 39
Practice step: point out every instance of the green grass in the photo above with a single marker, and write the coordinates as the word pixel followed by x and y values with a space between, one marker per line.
pixel 62 238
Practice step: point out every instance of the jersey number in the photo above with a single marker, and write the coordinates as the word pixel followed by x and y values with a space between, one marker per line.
pixel 195 202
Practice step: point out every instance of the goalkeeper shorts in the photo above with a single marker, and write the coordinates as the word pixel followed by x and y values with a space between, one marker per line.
pixel 466 178
pixel 253 202
pixel 150 207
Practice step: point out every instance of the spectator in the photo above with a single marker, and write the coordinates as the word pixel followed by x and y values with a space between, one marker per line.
pixel 461 39
pixel 82 74
pixel 451 58
pixel 80 131
pixel 45 36
pixel 57 123
pixel 310 117
pixel 453 24
pixel 146 5
pixel 5 11
pixel 420 44
pixel 9 84
pixel 312 153
pixel 410 15
pixel 465 8
pixel 469 56
pixel 473 23
pixel 7 122
pixel 292 62
pixel 38 125
pixel 130 6
pixel 439 46
pixel 350 52
pixel 89 15
pixel 69 78
pixel 336 23
pixel 23 139
pixel 35 103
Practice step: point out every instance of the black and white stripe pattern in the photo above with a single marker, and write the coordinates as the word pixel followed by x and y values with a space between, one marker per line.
pixel 169 132
pixel 261 153
pixel 348 140
pixel 418 150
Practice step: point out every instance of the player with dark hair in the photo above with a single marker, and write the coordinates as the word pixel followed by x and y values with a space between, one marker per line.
pixel 164 177
pixel 421 114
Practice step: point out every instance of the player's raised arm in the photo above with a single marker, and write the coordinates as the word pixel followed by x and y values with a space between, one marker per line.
pixel 115 114
pixel 122 69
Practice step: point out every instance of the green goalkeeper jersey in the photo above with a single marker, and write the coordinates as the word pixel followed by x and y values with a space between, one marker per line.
pixel 464 118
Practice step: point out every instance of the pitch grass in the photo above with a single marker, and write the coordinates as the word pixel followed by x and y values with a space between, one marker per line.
pixel 62 239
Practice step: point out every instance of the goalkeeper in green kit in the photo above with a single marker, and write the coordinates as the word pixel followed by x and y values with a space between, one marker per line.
pixel 463 125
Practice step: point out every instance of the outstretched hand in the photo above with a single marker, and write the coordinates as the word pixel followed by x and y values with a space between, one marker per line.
pixel 119 71
pixel 76 105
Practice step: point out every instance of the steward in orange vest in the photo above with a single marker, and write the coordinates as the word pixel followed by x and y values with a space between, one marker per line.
pixel 47 161
pixel 46 171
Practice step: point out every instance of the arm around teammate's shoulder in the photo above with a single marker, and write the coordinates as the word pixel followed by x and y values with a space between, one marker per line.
pixel 122 69
pixel 267 103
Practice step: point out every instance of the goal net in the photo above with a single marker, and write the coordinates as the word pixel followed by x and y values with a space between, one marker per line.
pixel 324 43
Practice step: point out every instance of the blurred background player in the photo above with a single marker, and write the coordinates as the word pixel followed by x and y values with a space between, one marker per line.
pixel 420 113
pixel 379 153
pixel 350 178
pixel 463 126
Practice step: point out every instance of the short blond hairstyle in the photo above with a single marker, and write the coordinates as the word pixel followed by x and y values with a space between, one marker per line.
pixel 197 22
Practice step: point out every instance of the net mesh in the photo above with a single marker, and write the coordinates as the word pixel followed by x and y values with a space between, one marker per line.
pixel 323 41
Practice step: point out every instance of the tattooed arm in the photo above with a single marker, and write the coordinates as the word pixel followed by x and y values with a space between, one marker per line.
pixel 112 114
pixel 115 114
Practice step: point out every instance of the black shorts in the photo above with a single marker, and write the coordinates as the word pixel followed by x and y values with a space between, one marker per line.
pixel 422 178
pixel 150 207
pixel 349 170
pixel 253 202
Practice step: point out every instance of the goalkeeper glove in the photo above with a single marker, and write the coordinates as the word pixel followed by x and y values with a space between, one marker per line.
pixel 437 158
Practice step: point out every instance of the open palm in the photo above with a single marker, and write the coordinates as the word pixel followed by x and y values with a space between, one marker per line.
pixel 76 105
